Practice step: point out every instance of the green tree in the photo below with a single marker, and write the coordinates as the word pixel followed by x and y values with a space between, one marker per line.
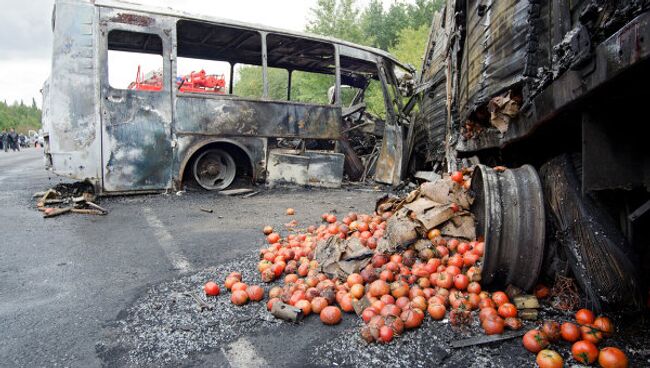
pixel 338 19
pixel 19 116
pixel 410 45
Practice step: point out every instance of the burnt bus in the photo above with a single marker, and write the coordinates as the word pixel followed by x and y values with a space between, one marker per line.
pixel 143 99
pixel 557 87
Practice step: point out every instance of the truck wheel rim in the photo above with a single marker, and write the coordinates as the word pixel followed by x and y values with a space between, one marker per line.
pixel 214 169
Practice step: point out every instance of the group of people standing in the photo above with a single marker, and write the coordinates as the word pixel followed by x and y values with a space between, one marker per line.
pixel 10 140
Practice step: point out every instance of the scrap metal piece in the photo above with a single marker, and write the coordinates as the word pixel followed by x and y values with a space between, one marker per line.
pixel 480 340
pixel 287 312
pixel 97 207
pixel 235 192
pixel 207 210
pixel 57 212
pixel 87 211
pixel 202 305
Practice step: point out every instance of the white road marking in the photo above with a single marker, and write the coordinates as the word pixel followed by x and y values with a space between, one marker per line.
pixel 242 353
pixel 166 241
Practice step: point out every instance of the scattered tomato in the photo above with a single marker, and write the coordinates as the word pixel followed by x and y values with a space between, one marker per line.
pixel 535 341
pixel 584 351
pixel 549 359
pixel 610 357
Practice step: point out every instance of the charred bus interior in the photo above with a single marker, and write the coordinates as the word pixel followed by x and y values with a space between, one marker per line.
pixel 207 103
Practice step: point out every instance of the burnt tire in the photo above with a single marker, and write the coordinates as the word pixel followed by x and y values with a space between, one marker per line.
pixel 598 254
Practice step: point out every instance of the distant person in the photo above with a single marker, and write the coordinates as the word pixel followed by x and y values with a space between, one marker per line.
pixel 13 138
pixel 5 139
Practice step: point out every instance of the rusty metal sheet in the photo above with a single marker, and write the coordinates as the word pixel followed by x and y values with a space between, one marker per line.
pixel 231 116
pixel 495 51
pixel 619 53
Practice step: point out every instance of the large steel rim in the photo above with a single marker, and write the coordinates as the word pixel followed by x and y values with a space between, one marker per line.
pixel 214 169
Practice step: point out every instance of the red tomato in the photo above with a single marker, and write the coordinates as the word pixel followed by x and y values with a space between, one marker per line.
pixel 542 291
pixel 500 298
pixel 437 311
pixel 385 334
pixel 535 341
pixel 585 316
pixel 273 238
pixel 605 325
pixel 507 310
pixel 612 358
pixel 474 287
pixel 591 333
pixel 552 330
pixel 461 281
pixel 211 289
pixel 549 359
pixel 457 176
pixel 570 332
pixel 493 325
pixel 584 351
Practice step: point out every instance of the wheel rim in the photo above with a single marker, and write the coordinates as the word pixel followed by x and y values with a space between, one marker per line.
pixel 214 169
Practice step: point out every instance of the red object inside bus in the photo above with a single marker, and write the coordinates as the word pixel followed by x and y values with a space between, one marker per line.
pixel 194 82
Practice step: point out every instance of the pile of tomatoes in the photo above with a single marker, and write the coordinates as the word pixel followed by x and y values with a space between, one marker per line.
pixel 401 289
pixel 584 335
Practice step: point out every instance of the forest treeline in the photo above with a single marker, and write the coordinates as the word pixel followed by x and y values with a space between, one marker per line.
pixel 20 116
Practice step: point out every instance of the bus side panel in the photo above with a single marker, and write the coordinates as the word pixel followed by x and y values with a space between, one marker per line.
pixel 236 117
pixel 71 124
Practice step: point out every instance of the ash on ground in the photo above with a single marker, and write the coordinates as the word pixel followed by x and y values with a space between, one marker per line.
pixel 164 327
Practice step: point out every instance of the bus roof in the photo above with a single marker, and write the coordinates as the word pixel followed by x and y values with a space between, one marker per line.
pixel 229 22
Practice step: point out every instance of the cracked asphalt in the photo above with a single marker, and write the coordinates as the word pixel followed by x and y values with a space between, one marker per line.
pixel 87 291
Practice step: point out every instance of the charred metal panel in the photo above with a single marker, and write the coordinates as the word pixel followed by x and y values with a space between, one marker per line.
pixel 390 162
pixel 431 122
pixel 622 51
pixel 231 116
pixel 495 51
pixel 71 121
pixel 310 168
pixel 136 137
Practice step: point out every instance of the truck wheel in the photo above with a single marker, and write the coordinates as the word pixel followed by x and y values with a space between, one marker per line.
pixel 214 169
pixel 598 254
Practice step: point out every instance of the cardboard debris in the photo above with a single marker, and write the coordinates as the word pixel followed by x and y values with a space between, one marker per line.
pixel 444 191
pixel 502 110
pixel 401 231
pixel 461 226
pixel 338 257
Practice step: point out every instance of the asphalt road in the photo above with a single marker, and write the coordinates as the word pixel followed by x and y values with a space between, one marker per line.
pixel 87 291
pixel 63 279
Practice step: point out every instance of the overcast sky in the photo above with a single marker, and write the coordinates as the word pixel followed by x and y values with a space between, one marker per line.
pixel 26 36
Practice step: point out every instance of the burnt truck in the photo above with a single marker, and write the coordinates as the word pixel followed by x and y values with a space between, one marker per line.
pixel 553 91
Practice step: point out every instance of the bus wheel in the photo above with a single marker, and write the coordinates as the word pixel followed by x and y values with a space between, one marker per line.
pixel 214 169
